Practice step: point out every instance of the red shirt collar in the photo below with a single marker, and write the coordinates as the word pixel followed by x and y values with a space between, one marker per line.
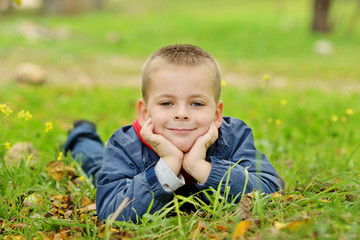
pixel 137 128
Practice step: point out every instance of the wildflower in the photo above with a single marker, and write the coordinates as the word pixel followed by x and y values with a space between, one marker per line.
pixel 48 126
pixel 60 156
pixel 283 102
pixel 21 114
pixel 26 115
pixel 30 157
pixel 349 112
pixel 266 77
pixel 223 83
pixel 2 107
pixel 278 122
pixel 334 118
pixel 5 109
pixel 270 120
pixel 7 145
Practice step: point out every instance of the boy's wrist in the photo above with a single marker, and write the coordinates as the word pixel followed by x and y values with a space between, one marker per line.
pixel 173 163
pixel 168 180
pixel 200 170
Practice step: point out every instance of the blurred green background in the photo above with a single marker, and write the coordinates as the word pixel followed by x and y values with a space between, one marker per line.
pixel 305 116
pixel 249 39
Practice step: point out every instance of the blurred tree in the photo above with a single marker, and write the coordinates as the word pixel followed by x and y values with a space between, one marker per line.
pixel 65 7
pixel 4 5
pixel 321 16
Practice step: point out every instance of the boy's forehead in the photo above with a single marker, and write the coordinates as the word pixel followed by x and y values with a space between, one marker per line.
pixel 171 77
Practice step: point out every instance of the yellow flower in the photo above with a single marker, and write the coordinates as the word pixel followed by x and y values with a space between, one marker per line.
pixel 5 109
pixel 2 107
pixel 349 112
pixel 48 126
pixel 283 102
pixel 7 145
pixel 30 157
pixel 21 114
pixel 266 77
pixel 60 156
pixel 278 122
pixel 26 115
pixel 223 83
pixel 334 118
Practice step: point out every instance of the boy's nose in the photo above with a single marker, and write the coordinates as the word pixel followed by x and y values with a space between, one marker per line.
pixel 181 114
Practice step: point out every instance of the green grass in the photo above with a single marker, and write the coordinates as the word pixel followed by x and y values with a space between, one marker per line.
pixel 312 140
pixel 317 157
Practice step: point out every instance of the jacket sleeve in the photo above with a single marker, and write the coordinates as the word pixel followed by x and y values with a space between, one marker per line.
pixel 124 175
pixel 252 164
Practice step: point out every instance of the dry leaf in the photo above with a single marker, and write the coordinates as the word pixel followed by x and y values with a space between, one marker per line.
pixel 245 206
pixel 241 229
pixel 222 228
pixel 62 234
pixel 102 231
pixel 276 195
pixel 293 197
pixel 218 236
pixel 292 226
pixel 42 236
pixel 86 201
pixel 16 237
pixel 57 170
pixel 87 209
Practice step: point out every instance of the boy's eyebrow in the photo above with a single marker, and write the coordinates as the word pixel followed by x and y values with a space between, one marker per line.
pixel 166 95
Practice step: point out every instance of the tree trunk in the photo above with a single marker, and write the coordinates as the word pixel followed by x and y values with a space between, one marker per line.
pixel 321 16
pixel 5 5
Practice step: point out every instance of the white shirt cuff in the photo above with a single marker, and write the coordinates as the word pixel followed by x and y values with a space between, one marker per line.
pixel 168 180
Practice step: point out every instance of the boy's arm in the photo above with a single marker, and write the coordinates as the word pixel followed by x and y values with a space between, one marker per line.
pixel 253 165
pixel 194 161
pixel 171 155
pixel 124 176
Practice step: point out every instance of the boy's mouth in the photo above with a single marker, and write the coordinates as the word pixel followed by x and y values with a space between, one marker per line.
pixel 181 130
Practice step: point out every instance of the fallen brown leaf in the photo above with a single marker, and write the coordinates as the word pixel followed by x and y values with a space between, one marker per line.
pixel 245 207
pixel 13 237
pixel 222 228
pixel 241 229
pixel 57 170
pixel 291 226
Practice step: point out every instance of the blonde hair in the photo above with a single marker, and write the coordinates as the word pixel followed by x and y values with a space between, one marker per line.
pixel 185 55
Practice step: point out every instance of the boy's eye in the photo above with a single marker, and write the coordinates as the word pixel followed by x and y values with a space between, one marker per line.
pixel 165 103
pixel 197 104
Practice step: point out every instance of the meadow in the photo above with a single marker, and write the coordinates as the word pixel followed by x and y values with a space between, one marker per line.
pixel 302 105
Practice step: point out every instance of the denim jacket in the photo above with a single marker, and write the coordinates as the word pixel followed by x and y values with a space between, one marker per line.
pixel 128 171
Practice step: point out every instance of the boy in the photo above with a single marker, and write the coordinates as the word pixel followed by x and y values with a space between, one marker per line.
pixel 180 142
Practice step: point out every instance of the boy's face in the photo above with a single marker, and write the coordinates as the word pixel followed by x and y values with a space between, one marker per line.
pixel 181 103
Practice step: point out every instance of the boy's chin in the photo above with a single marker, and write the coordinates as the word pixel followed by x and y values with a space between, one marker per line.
pixel 184 147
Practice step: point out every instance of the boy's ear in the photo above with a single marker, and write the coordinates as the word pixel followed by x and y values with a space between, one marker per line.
pixel 218 114
pixel 142 112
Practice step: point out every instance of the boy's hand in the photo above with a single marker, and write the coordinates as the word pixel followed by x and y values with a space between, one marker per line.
pixel 172 156
pixel 194 161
